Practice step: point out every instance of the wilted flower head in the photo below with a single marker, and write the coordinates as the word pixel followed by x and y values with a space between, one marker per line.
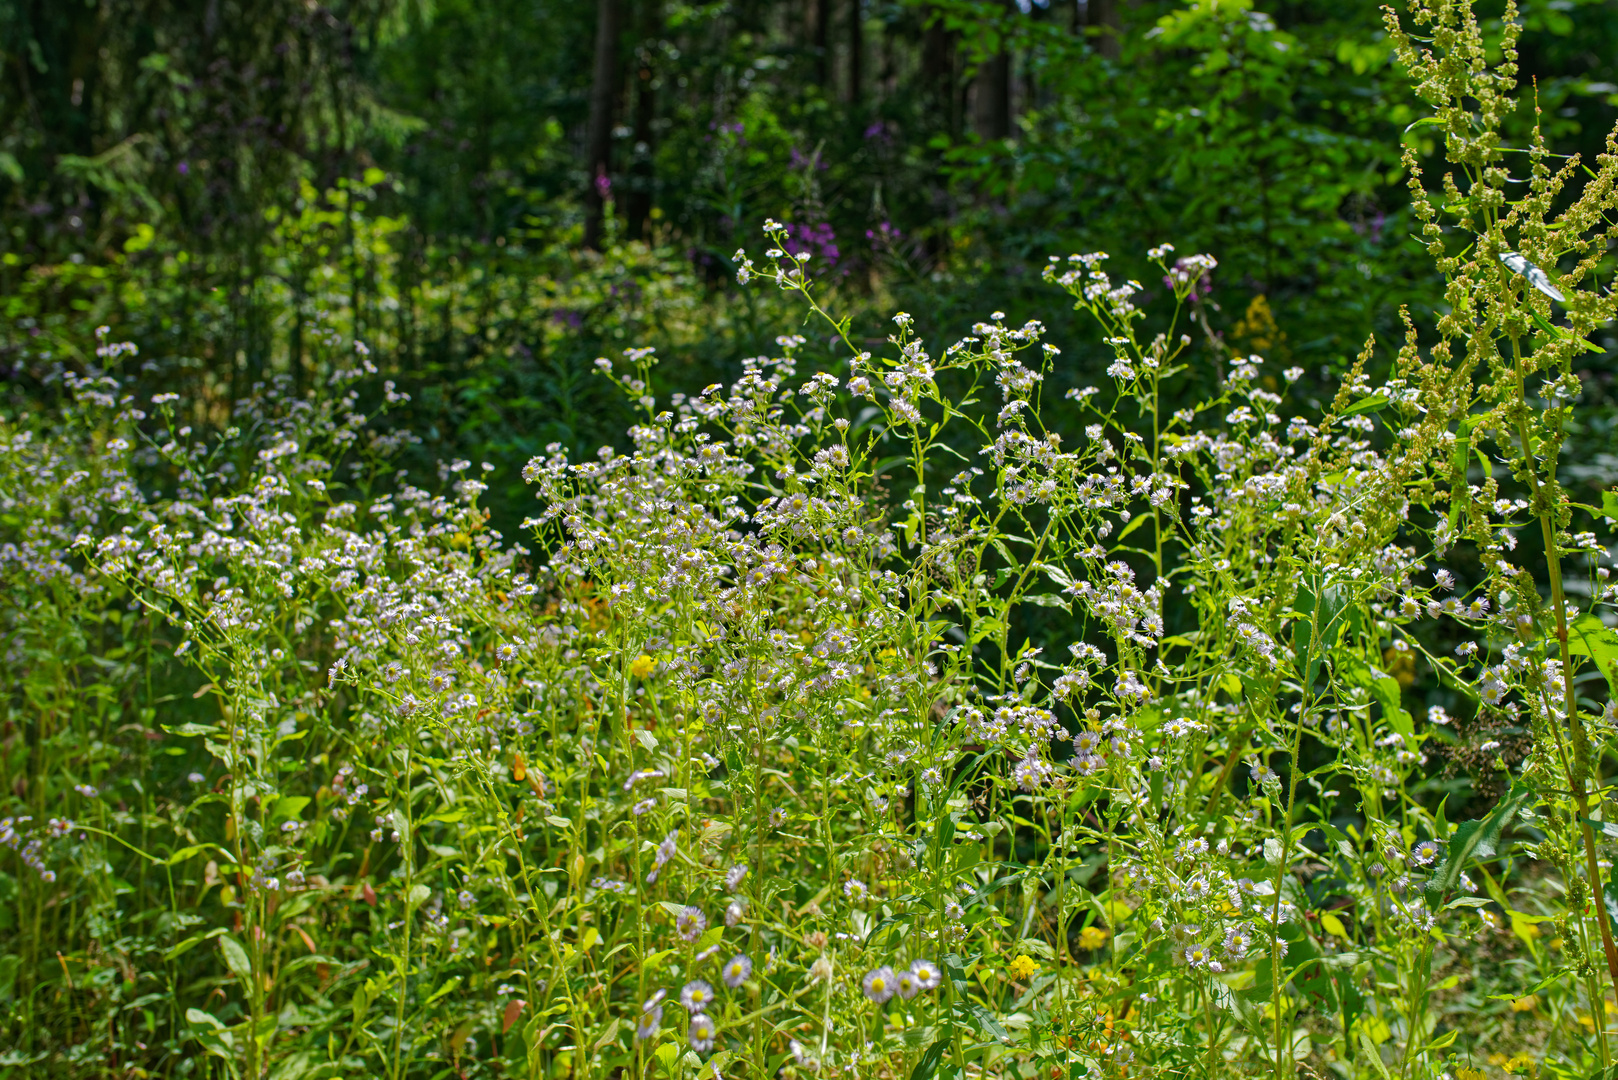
pixel 735 912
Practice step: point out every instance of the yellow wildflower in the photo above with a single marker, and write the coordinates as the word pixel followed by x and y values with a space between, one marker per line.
pixel 1093 937
pixel 1022 969
pixel 1524 1004
pixel 642 666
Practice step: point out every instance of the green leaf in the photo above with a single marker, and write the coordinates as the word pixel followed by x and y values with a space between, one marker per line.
pixel 235 957
pixel 1036 947
pixel 1609 504
pixel 191 729
pixel 1565 334
pixel 1046 600
pixel 929 1061
pixel 943 834
pixel 1589 636
pixel 987 1022
pixel 198 1018
pixel 1134 523
pixel 1373 1055
pixel 289 806
pixel 1371 404
pixel 419 894
pixel 1468 901
pixel 1458 495
pixel 183 854
pixel 1385 688
pixel 183 947
pixel 448 817
pixel 449 984
pixel 1320 619
pixel 1478 839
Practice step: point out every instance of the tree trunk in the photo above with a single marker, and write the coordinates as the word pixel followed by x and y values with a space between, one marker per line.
pixel 1103 17
pixel 642 179
pixel 938 60
pixel 598 136
pixel 991 105
pixel 856 49
pixel 820 40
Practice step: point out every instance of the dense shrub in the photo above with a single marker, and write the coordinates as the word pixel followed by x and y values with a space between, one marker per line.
pixel 756 754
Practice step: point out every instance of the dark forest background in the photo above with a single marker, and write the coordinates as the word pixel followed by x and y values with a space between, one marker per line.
pixel 491 193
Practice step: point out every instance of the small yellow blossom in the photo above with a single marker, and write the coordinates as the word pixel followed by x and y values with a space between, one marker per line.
pixel 1524 1004
pixel 1093 937
pixel 1521 1065
pixel 642 666
pixel 1022 969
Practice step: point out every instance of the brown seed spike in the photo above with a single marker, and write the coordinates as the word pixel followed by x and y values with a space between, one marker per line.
pixel 519 769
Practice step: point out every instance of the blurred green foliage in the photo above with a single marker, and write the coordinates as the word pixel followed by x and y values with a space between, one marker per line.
pixel 230 182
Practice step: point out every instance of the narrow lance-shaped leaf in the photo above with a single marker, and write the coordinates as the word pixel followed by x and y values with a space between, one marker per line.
pixel 1478 840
